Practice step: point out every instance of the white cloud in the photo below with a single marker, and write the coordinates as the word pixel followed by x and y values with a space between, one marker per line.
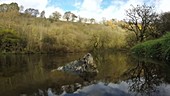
pixel 50 10
pixel 36 4
pixel 162 5
pixel 118 12
pixel 91 5
pixel 89 9
pixel 93 8
pixel 77 4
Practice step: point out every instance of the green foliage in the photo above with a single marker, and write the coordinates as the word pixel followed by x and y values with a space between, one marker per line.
pixel 159 48
pixel 9 41
pixel 42 14
pixel 69 15
pixel 32 12
pixel 164 24
pixel 39 35
pixel 9 7
pixel 48 44
pixel 108 38
pixel 55 16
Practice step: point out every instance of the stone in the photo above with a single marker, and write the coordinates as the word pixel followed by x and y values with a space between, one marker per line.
pixel 83 65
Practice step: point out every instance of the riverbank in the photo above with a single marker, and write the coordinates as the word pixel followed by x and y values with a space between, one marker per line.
pixel 21 34
pixel 157 49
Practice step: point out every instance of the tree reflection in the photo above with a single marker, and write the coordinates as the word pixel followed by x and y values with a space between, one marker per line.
pixel 10 65
pixel 145 76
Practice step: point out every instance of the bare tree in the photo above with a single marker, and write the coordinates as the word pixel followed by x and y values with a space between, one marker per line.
pixel 140 19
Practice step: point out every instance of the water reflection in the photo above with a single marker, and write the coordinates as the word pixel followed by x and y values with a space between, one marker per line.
pixel 100 89
pixel 119 75
pixel 144 77
pixel 24 74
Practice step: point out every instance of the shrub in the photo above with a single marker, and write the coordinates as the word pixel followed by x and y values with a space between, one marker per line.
pixel 48 44
pixel 40 35
pixel 9 41
pixel 158 48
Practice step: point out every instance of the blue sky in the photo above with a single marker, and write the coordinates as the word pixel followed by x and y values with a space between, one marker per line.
pixel 71 4
pixel 64 4
pixel 90 8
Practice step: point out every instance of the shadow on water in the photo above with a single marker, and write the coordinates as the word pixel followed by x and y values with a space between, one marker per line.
pixel 119 75
pixel 146 76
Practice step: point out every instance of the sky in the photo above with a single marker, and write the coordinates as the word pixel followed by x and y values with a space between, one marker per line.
pixel 97 9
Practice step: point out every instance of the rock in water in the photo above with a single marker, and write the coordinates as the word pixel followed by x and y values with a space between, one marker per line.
pixel 83 65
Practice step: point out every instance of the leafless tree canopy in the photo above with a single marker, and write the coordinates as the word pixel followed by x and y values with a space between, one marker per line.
pixel 140 19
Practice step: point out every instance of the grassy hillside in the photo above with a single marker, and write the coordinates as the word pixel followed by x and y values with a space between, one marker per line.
pixel 159 48
pixel 24 34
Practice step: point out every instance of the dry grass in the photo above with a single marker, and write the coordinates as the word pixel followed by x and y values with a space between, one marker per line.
pixel 46 37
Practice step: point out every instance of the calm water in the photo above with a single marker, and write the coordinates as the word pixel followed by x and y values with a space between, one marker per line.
pixel 119 75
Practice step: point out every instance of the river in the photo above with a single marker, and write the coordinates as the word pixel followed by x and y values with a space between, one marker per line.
pixel 119 75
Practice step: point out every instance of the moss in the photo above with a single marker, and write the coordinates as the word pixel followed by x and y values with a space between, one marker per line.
pixel 158 48
pixel 139 49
